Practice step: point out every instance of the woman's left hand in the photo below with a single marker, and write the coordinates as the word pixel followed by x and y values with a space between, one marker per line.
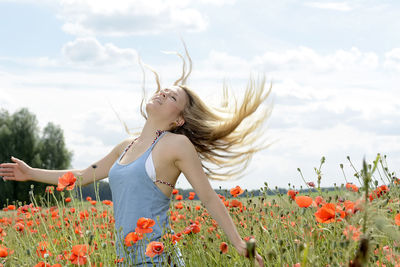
pixel 242 250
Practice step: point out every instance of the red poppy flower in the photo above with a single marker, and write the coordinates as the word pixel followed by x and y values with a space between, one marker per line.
pixel 178 197
pixel 19 227
pixel 303 201
pixel 3 251
pixel 66 181
pixel 352 232
pixel 179 205
pixel 173 238
pixel 236 191
pixel 49 189
pixel 144 225
pixel 235 203
pixel 42 249
pixel 107 202
pixel 68 199
pixel 11 207
pixel 383 189
pixel 223 247
pixel 191 195
pixel 119 260
pixel 292 193
pixel 84 214
pixel 319 200
pixel 378 192
pixel 79 254
pixel 351 187
pixel 397 219
pixel 311 184
pixel 176 237
pixel 132 238
pixel 42 264
pixel 349 206
pixel 193 228
pixel 2 233
pixel 154 248
pixel 175 191
pixel 326 214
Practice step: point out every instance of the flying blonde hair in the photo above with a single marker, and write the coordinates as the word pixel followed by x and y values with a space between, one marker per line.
pixel 225 137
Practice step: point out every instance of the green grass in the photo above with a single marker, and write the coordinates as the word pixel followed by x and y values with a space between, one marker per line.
pixel 285 233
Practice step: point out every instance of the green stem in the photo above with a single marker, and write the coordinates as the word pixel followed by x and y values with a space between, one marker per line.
pixel 357 173
pixel 366 175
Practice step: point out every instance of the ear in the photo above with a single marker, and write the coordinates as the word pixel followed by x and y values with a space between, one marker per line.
pixel 179 122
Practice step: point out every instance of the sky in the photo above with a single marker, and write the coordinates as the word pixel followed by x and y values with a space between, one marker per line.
pixel 334 68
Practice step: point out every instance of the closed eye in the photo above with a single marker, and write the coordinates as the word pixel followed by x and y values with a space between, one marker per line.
pixel 171 93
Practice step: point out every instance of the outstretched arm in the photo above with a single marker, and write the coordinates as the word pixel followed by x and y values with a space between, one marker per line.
pixel 188 162
pixel 18 170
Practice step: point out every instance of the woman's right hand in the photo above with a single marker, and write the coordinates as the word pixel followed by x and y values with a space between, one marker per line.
pixel 244 250
pixel 17 171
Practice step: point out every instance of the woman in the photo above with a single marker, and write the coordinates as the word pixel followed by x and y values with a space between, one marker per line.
pixel 180 135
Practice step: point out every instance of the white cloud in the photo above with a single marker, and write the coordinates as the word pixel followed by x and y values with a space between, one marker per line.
pixel 219 63
pixel 90 50
pixel 341 66
pixel 122 17
pixel 392 59
pixel 338 6
pixel 307 58
pixel 218 2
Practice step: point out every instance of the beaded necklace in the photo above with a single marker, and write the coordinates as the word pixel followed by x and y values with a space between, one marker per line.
pixel 158 133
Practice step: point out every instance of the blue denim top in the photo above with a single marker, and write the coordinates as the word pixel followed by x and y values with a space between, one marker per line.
pixel 134 196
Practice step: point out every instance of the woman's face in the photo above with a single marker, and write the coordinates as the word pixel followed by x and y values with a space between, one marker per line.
pixel 169 103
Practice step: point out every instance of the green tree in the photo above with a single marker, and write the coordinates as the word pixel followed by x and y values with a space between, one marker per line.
pixel 52 151
pixel 20 137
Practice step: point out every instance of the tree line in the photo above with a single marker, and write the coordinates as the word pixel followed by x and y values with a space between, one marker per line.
pixel 21 137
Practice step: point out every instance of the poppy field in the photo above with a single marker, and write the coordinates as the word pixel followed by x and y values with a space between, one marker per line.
pixel 356 224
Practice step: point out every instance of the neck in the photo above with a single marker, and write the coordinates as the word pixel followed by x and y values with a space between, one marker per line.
pixel 149 131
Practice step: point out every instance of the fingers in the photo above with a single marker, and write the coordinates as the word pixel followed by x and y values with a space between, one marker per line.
pixel 9 176
pixel 6 173
pixel 7 165
pixel 260 260
pixel 261 263
pixel 6 170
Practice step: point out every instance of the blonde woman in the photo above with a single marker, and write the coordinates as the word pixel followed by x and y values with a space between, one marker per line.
pixel 181 134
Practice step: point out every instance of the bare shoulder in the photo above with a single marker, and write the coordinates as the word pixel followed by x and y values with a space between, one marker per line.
pixel 123 144
pixel 173 138
pixel 178 144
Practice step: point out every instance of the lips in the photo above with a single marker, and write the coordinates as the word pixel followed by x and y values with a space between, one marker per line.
pixel 158 100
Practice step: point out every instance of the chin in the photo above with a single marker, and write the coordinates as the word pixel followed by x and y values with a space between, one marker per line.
pixel 152 108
